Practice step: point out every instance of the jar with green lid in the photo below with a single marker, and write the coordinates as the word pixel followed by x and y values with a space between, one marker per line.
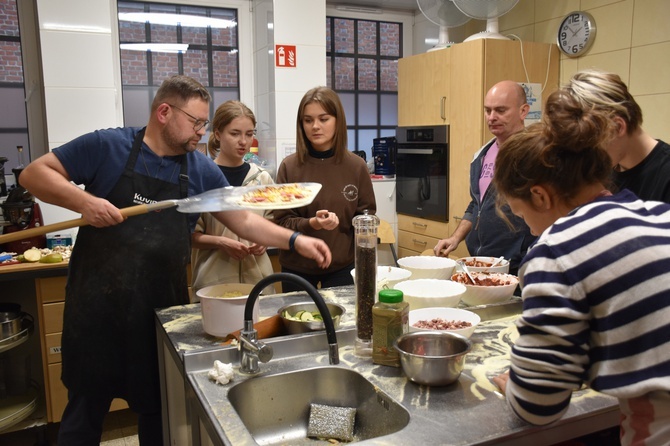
pixel 390 319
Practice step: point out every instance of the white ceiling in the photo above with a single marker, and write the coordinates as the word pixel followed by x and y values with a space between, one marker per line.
pixel 406 5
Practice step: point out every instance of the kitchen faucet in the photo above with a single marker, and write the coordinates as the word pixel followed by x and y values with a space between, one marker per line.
pixel 253 350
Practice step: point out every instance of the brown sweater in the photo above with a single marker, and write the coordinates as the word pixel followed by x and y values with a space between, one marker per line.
pixel 347 191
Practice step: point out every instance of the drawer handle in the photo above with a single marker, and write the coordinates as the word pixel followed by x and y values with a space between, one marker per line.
pixel 419 242
pixel 458 218
pixel 420 225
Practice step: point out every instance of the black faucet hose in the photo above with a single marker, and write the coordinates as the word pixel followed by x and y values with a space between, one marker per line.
pixel 305 285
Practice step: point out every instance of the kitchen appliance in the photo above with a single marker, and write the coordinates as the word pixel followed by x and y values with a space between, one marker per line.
pixel 23 214
pixel 422 172
pixel 383 153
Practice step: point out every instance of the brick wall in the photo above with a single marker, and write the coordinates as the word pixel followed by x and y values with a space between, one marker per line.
pixel 360 38
pixel 11 69
pixel 219 44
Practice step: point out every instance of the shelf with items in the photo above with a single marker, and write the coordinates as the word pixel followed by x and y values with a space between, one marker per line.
pixel 19 394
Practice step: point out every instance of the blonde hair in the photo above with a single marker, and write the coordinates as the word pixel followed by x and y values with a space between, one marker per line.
pixel 607 93
pixel 331 103
pixel 224 115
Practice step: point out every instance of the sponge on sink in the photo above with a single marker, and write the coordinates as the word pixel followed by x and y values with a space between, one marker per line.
pixel 331 422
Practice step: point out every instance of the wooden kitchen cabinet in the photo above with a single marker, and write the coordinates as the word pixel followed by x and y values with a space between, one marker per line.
pixel 50 293
pixel 423 89
pixel 415 235
pixel 469 70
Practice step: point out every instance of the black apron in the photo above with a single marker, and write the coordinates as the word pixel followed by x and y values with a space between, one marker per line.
pixel 117 276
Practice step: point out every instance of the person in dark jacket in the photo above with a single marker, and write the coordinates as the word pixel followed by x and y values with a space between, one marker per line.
pixel 484 232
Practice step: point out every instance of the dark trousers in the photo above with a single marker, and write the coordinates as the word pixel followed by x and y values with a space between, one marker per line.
pixel 84 416
pixel 337 278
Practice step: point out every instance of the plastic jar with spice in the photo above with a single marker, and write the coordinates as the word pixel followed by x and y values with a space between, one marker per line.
pixel 390 319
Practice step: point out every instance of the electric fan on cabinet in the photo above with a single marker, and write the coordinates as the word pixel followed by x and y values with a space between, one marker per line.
pixel 488 10
pixel 444 14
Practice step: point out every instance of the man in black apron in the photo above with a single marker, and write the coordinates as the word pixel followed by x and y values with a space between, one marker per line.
pixel 119 273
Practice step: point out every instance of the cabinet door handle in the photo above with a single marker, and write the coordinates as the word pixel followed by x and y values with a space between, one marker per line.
pixel 420 225
pixel 443 108
pixel 419 242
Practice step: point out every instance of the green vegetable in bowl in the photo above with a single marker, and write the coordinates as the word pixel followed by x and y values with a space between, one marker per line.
pixel 303 316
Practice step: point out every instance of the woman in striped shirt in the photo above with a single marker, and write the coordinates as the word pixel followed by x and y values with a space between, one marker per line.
pixel 595 285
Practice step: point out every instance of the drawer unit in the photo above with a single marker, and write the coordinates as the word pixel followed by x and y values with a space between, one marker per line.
pixel 52 346
pixel 51 289
pixel 51 303
pixel 53 317
pixel 415 235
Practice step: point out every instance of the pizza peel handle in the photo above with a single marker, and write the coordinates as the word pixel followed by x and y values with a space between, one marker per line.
pixel 41 230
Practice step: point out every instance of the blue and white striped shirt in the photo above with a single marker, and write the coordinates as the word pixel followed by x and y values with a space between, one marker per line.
pixel 596 309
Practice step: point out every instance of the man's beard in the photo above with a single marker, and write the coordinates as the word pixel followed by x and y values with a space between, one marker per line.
pixel 176 146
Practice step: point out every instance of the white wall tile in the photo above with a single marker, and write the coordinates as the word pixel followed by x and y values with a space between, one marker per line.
pixel 287 111
pixel 649 67
pixel 656 113
pixel 300 22
pixel 75 111
pixel 552 9
pixel 650 22
pixel 89 14
pixel 310 70
pixel 77 59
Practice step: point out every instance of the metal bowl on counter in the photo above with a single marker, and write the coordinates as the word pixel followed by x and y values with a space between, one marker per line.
pixel 10 319
pixel 303 317
pixel 432 358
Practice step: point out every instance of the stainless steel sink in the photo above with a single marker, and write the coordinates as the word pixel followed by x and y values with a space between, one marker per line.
pixel 275 408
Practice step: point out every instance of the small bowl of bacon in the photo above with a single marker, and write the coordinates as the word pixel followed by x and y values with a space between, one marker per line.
pixel 489 288
pixel 453 320
pixel 485 264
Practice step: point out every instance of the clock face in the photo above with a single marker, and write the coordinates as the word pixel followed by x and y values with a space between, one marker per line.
pixel 576 33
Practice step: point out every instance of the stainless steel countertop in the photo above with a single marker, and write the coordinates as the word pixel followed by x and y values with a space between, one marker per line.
pixel 468 412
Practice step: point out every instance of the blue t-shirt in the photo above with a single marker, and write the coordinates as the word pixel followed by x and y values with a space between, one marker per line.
pixel 97 159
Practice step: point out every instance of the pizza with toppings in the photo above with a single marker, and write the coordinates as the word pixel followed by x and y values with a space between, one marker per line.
pixel 280 196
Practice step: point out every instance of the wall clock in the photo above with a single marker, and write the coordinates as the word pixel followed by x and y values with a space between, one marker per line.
pixel 576 33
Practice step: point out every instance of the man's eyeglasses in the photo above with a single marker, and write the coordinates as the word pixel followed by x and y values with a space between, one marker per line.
pixel 197 124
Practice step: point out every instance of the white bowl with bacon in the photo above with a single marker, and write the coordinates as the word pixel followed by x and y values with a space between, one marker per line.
pixel 453 320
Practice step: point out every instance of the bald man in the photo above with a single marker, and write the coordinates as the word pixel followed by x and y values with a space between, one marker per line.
pixel 484 232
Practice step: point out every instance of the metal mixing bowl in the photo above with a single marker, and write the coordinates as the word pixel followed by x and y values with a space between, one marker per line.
pixel 432 358
pixel 297 327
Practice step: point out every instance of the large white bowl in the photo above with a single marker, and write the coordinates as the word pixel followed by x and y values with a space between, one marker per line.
pixel 428 267
pixel 224 315
pixel 446 314
pixel 424 293
pixel 387 275
pixel 502 267
pixel 486 295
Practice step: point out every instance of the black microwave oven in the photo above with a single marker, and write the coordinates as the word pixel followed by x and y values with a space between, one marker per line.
pixel 422 172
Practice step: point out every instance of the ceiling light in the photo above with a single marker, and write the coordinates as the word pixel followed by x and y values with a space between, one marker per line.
pixel 156 47
pixel 353 8
pixel 191 21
